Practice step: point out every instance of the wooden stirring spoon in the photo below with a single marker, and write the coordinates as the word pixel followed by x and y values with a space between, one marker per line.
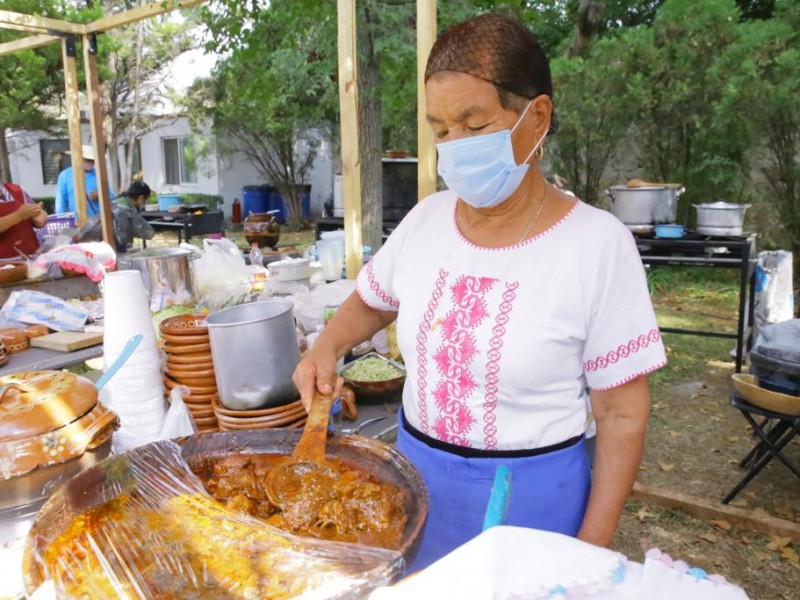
pixel 284 483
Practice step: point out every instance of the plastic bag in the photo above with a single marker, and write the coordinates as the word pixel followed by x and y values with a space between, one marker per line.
pixel 38 308
pixel 178 421
pixel 92 259
pixel 144 527
pixel 221 276
pixel 774 296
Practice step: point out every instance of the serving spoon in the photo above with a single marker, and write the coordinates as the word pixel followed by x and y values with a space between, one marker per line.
pixel 284 483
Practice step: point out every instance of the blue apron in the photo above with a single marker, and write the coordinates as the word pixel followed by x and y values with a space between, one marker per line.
pixel 548 491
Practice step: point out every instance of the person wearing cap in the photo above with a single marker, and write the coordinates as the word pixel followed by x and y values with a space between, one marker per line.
pixel 19 214
pixel 514 301
pixel 65 188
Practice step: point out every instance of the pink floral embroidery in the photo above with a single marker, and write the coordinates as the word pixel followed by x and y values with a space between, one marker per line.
pixel 422 351
pixel 623 351
pixel 454 356
pixel 493 365
pixel 378 290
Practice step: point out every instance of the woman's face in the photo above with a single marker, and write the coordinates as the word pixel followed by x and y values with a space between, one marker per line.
pixel 460 105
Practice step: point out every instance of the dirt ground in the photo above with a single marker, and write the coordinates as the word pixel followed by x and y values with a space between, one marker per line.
pixel 695 441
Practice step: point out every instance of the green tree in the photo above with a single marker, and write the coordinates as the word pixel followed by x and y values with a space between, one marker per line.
pixel 593 116
pixel 273 97
pixel 32 81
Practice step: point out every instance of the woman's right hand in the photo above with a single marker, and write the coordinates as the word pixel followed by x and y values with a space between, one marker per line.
pixel 316 372
pixel 28 211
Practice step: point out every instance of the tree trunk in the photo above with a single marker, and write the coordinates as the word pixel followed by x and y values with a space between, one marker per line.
pixel 5 165
pixel 589 14
pixel 137 75
pixel 370 134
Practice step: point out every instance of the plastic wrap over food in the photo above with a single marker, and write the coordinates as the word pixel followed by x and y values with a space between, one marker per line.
pixel 148 529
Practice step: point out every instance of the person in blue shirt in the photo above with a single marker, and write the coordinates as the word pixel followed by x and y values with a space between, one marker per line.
pixel 65 190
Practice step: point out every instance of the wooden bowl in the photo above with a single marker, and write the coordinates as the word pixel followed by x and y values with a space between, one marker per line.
pixel 11 272
pixel 261 412
pixel 184 325
pixel 747 386
pixel 184 340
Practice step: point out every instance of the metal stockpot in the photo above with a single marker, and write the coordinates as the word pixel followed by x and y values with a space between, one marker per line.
pixel 720 218
pixel 159 266
pixel 645 205
pixel 255 351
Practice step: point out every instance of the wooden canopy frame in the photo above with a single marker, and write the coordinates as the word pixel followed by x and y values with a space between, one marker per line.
pixel 44 31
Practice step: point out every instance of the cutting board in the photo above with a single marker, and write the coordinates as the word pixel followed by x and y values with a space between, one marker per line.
pixel 67 341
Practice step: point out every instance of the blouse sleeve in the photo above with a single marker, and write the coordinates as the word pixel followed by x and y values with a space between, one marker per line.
pixel 376 283
pixel 623 340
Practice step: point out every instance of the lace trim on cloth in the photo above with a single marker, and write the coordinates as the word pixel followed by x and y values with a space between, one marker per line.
pixel 422 351
pixel 493 366
pixel 623 351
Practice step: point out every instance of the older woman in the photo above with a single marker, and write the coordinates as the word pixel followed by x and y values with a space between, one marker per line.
pixel 511 299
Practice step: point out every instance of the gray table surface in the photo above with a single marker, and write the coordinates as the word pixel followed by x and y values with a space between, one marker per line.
pixel 37 359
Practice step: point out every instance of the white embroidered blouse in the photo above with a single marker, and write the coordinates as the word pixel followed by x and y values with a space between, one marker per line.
pixel 501 343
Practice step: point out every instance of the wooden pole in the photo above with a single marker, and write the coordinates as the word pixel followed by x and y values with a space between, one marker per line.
pixel 27 43
pixel 69 53
pixel 98 138
pixel 137 14
pixel 37 24
pixel 348 108
pixel 426 147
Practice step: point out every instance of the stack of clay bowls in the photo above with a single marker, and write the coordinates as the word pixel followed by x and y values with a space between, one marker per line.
pixel 291 415
pixel 184 339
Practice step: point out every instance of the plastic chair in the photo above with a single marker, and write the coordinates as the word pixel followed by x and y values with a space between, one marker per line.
pixel 775 430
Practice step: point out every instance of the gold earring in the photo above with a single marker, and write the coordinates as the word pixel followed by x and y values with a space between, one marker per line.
pixel 539 153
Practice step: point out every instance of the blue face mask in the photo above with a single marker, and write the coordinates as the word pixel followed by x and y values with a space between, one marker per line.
pixel 482 169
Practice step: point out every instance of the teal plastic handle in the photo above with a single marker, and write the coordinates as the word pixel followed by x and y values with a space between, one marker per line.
pixel 132 344
pixel 498 499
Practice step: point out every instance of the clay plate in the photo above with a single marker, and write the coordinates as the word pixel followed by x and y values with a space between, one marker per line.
pixel 184 340
pixel 190 359
pixel 194 390
pixel 261 412
pixel 184 325
pixel 189 367
pixel 187 349
pixel 180 374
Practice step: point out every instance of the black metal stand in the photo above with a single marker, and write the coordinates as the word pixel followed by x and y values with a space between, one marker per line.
pixel 186 224
pixel 735 252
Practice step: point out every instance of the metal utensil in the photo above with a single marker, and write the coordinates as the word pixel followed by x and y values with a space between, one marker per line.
pixel 355 430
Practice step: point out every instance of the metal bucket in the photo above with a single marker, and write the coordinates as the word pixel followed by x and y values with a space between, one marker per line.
pixel 160 266
pixel 254 349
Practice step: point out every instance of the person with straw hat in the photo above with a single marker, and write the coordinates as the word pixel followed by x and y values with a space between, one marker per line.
pixel 65 187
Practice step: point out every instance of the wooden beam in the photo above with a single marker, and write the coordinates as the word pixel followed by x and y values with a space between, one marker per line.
pixel 426 147
pixel 69 52
pixel 27 43
pixel 37 24
pixel 348 109
pixel 98 137
pixel 706 509
pixel 137 14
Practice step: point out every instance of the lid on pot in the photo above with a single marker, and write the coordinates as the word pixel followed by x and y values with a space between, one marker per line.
pixel 157 253
pixel 721 204
pixel 49 417
pixel 37 402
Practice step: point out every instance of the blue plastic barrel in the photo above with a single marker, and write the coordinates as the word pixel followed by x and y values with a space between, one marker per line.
pixel 256 199
pixel 277 203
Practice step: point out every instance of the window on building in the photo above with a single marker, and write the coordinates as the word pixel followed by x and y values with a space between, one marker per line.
pixel 54 159
pixel 177 166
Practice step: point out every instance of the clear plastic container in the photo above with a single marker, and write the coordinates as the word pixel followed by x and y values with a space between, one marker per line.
pixel 256 256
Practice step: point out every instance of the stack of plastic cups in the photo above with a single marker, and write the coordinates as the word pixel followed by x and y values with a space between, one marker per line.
pixel 136 392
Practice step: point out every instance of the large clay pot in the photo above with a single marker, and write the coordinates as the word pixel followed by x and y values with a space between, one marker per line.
pixel 262 229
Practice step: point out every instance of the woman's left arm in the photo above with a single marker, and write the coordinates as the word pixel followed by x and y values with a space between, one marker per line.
pixel 621 417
